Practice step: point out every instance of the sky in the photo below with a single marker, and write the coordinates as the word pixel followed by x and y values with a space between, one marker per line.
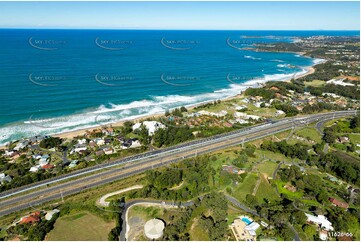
pixel 182 15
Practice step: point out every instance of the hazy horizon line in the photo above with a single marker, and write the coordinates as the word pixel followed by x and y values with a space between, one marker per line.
pixel 150 29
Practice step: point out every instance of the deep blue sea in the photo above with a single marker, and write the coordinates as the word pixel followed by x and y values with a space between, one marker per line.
pixel 61 80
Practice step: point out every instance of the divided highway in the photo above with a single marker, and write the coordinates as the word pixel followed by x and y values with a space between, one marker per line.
pixel 41 192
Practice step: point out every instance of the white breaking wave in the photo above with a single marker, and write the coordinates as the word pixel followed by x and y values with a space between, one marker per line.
pixel 252 57
pixel 119 112
pixel 318 61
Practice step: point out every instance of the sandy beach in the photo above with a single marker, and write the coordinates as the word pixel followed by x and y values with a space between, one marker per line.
pixel 72 134
pixel 80 132
pixel 310 70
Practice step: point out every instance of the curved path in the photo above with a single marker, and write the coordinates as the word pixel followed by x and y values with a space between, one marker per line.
pixel 102 201
pixel 124 233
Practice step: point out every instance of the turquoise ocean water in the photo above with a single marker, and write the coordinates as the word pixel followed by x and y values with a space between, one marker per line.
pixel 61 80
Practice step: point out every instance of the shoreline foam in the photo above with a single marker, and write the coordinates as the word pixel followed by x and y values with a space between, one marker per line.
pixel 158 104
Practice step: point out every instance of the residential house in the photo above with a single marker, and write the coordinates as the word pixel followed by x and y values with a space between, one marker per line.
pixel 99 153
pixel 290 188
pixel 99 141
pixel 151 126
pixel 279 112
pixel 35 168
pixel 4 178
pixel 44 160
pixel 108 151
pixel 108 131
pixel 240 233
pixel 73 163
pixel 21 145
pixel 38 138
pixel 324 224
pixel 32 218
pixel 232 169
pixel 81 141
pixel 80 147
pixel 343 139
pixel 47 166
pixel 49 215
pixel 338 203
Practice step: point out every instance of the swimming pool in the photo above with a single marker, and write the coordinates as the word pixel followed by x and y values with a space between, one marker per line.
pixel 246 220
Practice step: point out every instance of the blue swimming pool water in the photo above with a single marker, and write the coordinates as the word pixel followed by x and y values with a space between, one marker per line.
pixel 246 220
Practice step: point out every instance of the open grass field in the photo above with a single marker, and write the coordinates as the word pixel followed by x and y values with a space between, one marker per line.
pixel 311 133
pixel 197 233
pixel 273 156
pixel 267 167
pixel 145 212
pixel 281 189
pixel 246 187
pixel 80 226
pixel 355 138
pixel 315 83
pixel 263 112
pixel 266 191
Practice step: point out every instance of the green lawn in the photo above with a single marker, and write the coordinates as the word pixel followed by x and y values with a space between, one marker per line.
pixel 315 83
pixel 281 189
pixel 266 191
pixel 246 187
pixel 311 133
pixel 273 156
pixel 267 167
pixel 355 138
pixel 80 226
pixel 145 212
pixel 197 233
pixel 311 202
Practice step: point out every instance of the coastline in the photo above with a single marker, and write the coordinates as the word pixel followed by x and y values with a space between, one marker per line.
pixel 75 133
pixel 82 131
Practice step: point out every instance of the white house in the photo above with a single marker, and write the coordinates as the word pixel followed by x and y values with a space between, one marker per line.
pixel 82 141
pixel 135 144
pixel 99 142
pixel 279 112
pixel 4 178
pixel 321 220
pixel 73 164
pixel 44 160
pixel 80 147
pixel 21 145
pixel 35 168
pixel 151 126
pixel 50 214
pixel 339 82
pixel 252 227
pixel 9 152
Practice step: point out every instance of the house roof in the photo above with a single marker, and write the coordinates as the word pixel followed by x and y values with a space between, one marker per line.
pixel 338 203
pixel 32 218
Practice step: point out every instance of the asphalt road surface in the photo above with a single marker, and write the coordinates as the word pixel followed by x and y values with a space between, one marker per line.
pixel 34 195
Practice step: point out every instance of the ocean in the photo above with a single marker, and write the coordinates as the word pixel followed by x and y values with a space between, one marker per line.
pixel 56 81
